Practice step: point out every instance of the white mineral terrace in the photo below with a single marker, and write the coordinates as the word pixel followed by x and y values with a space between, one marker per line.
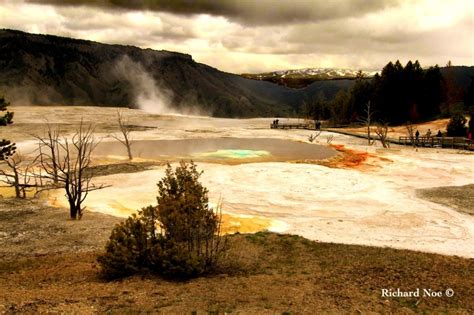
pixel 374 205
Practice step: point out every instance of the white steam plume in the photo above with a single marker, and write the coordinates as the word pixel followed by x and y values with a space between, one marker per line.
pixel 148 95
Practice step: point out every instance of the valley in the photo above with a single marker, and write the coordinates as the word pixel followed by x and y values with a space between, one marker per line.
pixel 361 210
pixel 310 193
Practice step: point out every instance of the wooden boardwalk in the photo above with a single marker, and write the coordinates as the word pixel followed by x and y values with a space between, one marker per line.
pixel 292 126
pixel 430 142
pixel 439 142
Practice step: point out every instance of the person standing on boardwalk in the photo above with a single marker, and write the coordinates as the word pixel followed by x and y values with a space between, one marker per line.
pixel 417 136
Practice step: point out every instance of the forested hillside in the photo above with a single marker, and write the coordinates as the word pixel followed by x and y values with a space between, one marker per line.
pixel 398 95
pixel 47 70
pixel 51 70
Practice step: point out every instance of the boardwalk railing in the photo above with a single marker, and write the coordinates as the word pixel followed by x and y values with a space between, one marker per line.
pixel 292 126
pixel 433 142
pixel 441 142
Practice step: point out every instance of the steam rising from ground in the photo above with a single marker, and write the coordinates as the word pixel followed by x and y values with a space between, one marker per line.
pixel 151 95
pixel 147 92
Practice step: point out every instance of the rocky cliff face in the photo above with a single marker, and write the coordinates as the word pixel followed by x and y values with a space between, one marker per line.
pixel 43 69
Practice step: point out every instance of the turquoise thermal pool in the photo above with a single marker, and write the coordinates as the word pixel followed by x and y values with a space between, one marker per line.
pixel 240 150
pixel 234 154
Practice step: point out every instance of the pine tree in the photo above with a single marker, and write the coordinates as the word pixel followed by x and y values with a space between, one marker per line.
pixel 471 121
pixel 469 95
pixel 457 126
pixel 389 95
pixel 340 107
pixel 453 93
pixel 407 93
pixel 361 94
pixel 318 107
pixel 431 95
pixel 178 238
pixel 6 147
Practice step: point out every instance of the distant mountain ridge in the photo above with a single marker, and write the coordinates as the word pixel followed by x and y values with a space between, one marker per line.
pixel 52 70
pixel 47 70
pixel 299 78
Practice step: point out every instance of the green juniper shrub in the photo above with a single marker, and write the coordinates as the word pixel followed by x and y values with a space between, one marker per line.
pixel 6 147
pixel 6 118
pixel 178 238
pixel 127 249
pixel 457 126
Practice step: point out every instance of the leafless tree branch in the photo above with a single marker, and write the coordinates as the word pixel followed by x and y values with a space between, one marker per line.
pixel 19 175
pixel 126 130
pixel 64 163
pixel 367 121
pixel 313 137
pixel 411 133
pixel 382 131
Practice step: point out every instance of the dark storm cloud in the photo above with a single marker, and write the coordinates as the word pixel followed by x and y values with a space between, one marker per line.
pixel 254 12
pixel 265 35
pixel 168 27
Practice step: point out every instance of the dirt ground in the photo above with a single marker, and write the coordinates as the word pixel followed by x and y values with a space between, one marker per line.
pixel 312 198
pixel 48 264
pixel 460 198
pixel 29 228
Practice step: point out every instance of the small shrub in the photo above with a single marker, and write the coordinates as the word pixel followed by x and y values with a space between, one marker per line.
pixel 126 250
pixel 178 238
pixel 457 126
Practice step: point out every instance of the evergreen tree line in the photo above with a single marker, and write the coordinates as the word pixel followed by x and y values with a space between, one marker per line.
pixel 6 147
pixel 397 95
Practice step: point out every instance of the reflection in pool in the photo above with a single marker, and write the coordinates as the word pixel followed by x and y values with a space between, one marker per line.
pixel 233 154
pixel 221 149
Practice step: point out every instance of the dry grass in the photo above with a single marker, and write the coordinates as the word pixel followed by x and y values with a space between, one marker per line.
pixel 264 273
pixel 460 198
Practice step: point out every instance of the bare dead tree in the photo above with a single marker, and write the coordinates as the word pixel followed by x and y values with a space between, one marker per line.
pixel 48 148
pixel 313 137
pixel 125 129
pixel 329 139
pixel 382 131
pixel 411 133
pixel 367 120
pixel 18 175
pixel 73 158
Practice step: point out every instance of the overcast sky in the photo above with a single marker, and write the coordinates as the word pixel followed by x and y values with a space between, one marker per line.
pixel 265 35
